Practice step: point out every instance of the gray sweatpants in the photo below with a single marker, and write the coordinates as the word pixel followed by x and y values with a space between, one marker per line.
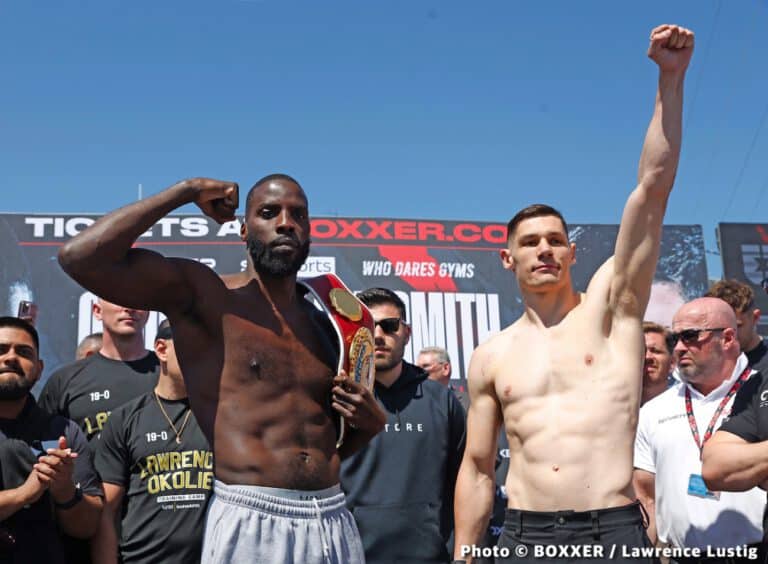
pixel 254 524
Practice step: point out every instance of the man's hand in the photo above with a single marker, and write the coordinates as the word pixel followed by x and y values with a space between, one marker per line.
pixel 671 48
pixel 357 404
pixel 15 499
pixel 216 198
pixel 32 488
pixel 54 470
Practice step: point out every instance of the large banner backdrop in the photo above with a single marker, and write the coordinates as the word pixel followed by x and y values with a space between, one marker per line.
pixel 448 272
pixel 744 248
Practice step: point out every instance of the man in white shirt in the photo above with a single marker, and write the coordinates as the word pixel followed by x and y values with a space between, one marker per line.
pixel 673 428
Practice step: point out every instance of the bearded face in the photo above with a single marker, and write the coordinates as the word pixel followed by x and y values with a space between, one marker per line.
pixel 20 366
pixel 282 257
pixel 14 387
pixel 276 229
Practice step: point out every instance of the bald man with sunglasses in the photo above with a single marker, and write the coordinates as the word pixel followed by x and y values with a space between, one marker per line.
pixel 400 486
pixel 673 429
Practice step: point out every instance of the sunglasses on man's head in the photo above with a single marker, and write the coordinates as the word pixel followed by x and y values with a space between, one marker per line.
pixel 690 336
pixel 389 325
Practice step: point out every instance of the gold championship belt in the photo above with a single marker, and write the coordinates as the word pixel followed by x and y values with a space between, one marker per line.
pixel 353 323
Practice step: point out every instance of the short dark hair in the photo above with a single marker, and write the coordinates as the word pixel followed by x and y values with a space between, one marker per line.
pixel 264 180
pixel 378 296
pixel 535 210
pixel 736 294
pixel 652 327
pixel 16 323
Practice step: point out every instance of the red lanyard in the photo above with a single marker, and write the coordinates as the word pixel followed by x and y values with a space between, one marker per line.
pixel 692 418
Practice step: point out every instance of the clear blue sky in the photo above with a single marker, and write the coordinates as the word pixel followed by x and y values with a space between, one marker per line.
pixel 443 109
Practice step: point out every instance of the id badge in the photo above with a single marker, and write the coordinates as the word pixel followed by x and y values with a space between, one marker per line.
pixel 698 488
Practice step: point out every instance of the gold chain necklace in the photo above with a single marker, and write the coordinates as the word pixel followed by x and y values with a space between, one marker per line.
pixel 183 424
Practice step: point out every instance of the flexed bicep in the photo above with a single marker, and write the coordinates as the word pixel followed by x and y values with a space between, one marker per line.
pixel 103 259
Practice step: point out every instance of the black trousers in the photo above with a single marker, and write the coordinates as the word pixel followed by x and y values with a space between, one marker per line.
pixel 604 535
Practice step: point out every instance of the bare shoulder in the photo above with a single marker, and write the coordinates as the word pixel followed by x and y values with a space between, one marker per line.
pixel 236 280
pixel 491 352
pixel 610 303
pixel 209 291
pixel 500 341
pixel 201 278
pixel 609 297
pixel 599 289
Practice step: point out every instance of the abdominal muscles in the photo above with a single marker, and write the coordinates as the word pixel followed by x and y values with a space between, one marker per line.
pixel 572 449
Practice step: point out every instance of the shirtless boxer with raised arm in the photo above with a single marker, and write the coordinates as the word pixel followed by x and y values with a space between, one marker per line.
pixel 258 363
pixel 564 379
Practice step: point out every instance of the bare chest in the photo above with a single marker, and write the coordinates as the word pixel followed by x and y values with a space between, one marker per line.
pixel 583 365
pixel 242 346
pixel 278 358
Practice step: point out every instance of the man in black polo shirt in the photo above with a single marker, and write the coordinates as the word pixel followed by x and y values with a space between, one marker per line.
pixel 47 478
pixel 157 469
pixel 736 457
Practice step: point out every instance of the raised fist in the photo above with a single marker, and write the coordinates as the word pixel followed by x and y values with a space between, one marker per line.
pixel 671 47
pixel 217 199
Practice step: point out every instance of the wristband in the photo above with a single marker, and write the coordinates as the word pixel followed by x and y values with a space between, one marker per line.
pixel 77 498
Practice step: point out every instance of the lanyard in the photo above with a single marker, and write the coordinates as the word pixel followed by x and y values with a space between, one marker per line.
pixel 692 418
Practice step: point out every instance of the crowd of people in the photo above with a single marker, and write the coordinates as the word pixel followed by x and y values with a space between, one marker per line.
pixel 220 445
pixel 126 472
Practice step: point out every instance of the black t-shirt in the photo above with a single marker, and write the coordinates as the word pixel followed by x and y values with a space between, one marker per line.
pixel 167 484
pixel 758 357
pixel 87 391
pixel 22 441
pixel 749 415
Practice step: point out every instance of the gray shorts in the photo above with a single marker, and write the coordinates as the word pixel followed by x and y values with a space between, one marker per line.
pixel 254 524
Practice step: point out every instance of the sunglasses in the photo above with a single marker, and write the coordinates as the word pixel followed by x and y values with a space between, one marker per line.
pixel 389 325
pixel 690 336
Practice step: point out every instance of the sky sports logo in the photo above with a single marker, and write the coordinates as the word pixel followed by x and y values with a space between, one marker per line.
pixel 317 266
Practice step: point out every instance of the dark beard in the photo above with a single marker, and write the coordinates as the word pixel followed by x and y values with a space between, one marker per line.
pixel 15 389
pixel 383 365
pixel 265 262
